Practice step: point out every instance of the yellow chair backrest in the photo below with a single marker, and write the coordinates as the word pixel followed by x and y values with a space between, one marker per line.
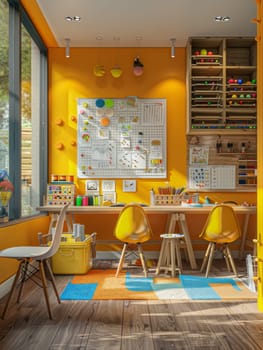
pixel 222 225
pixel 133 225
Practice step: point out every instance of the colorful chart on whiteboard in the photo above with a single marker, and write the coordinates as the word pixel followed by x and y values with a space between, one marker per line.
pixel 121 138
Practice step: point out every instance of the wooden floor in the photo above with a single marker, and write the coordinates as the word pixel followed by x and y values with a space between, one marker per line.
pixel 129 325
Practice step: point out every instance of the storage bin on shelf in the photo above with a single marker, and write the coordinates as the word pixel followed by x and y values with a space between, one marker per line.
pixel 74 257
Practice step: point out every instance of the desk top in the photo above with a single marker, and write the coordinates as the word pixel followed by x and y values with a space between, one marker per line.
pixel 156 209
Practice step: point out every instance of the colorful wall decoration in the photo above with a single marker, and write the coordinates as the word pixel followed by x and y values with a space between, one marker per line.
pixel 122 138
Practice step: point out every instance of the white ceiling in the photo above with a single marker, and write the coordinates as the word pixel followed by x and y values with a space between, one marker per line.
pixel 146 23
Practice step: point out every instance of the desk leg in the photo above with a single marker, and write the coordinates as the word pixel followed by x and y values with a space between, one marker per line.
pixel 173 218
pixel 171 223
pixel 244 236
pixel 69 223
pixel 53 222
pixel 188 242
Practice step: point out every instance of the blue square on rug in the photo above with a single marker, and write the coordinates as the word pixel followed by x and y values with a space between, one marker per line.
pixel 83 291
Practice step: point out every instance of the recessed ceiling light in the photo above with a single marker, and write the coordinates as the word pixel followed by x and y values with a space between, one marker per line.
pixel 222 18
pixel 74 18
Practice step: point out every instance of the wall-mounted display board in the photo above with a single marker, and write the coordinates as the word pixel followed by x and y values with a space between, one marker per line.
pixel 222 162
pixel 121 138
pixel 212 177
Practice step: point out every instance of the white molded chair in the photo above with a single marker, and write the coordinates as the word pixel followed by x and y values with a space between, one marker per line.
pixel 40 254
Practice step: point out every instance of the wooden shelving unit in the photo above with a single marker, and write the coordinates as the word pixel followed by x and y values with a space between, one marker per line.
pixel 222 85
pixel 222 112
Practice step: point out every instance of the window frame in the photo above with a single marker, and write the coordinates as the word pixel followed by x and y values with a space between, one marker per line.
pixel 18 16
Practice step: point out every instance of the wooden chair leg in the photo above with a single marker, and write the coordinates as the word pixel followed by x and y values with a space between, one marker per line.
pixel 24 269
pixel 121 259
pixel 44 285
pixel 230 258
pixel 225 253
pixel 142 259
pixel 205 257
pixel 178 255
pixel 52 279
pixel 210 259
pixel 172 254
pixel 12 288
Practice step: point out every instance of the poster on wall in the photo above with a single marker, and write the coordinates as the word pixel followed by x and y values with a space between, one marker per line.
pixel 121 138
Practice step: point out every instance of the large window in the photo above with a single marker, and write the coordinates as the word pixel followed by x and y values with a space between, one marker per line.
pixel 30 115
pixel 23 109
pixel 4 96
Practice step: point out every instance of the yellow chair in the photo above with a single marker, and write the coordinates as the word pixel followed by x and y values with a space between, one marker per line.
pixel 40 254
pixel 132 228
pixel 221 228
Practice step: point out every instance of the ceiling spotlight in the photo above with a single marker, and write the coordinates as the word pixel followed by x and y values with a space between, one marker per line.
pixel 73 18
pixel 67 53
pixel 222 18
pixel 173 47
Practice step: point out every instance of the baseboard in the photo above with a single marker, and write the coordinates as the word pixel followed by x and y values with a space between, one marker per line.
pixel 115 255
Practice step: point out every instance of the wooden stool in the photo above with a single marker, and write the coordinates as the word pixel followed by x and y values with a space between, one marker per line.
pixel 170 255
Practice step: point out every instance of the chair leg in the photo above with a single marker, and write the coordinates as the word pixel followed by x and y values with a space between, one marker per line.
pixel 230 258
pixel 24 268
pixel 172 254
pixel 142 259
pixel 206 257
pixel 210 259
pixel 46 262
pixel 121 259
pixel 44 285
pixel 12 288
pixel 225 254
pixel 178 255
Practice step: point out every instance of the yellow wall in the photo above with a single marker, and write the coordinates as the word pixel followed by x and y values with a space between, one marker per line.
pixel 164 77
pixel 24 233
pixel 73 78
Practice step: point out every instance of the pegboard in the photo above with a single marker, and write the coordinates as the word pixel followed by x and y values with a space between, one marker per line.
pixel 121 138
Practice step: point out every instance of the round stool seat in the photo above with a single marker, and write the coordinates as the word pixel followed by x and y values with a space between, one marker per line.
pixel 170 257
pixel 172 235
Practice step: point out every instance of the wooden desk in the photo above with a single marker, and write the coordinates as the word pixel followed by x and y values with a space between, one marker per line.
pixel 176 214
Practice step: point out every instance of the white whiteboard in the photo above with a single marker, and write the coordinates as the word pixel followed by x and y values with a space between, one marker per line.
pixel 121 138
pixel 212 177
